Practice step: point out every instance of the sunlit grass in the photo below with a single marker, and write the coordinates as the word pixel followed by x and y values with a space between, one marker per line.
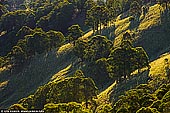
pixel 104 96
pixel 3 84
pixel 158 66
pixel 61 74
pixel 121 25
pixel 2 69
pixel 65 48
pixel 152 17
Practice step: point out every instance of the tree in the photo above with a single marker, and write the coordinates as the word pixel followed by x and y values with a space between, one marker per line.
pixel 14 20
pixel 118 63
pixel 18 55
pixel 142 58
pixel 116 6
pixel 135 8
pixel 2 62
pixel 3 9
pixel 161 2
pixel 96 16
pixel 74 32
pixel 101 73
pixel 125 59
pixel 147 110
pixel 39 42
pixel 99 47
pixel 79 48
pixel 72 89
pixel 89 4
pixel 56 38
pixel 79 73
pixel 126 36
pixel 25 30
pixel 65 107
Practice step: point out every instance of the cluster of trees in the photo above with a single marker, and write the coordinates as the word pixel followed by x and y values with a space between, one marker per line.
pixel 65 107
pixel 76 89
pixel 98 53
pixel 3 7
pixel 57 18
pixel 68 94
pixel 97 16
pixel 13 21
pixel 55 15
pixel 144 99
pixel 35 41
pixel 51 16
pixel 100 13
pixel 74 32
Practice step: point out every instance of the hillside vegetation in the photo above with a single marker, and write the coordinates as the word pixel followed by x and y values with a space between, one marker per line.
pixel 85 56
pixel 149 31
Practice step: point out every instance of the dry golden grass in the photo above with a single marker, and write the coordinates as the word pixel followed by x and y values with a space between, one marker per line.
pixel 3 84
pixel 85 36
pixel 104 96
pixel 121 25
pixel 64 48
pixel 151 18
pixel 158 66
pixel 61 74
pixel 2 69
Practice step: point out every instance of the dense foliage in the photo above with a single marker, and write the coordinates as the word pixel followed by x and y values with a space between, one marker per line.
pixel 98 53
pixel 28 28
pixel 144 99
pixel 72 89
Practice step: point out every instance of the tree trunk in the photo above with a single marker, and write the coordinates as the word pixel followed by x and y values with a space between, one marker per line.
pixel 100 27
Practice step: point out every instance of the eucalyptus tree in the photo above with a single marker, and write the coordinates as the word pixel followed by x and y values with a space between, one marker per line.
pixel 97 16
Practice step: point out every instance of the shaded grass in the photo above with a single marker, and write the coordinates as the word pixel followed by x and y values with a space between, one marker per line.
pixel 152 33
pixel 38 72
pixel 156 72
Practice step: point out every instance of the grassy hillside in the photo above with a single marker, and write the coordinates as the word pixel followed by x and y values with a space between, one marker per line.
pixel 41 69
pixel 150 32
pixel 38 72
pixel 157 73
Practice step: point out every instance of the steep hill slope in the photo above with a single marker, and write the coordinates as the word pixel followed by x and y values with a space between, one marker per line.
pixel 38 71
pixel 157 75
pixel 149 31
